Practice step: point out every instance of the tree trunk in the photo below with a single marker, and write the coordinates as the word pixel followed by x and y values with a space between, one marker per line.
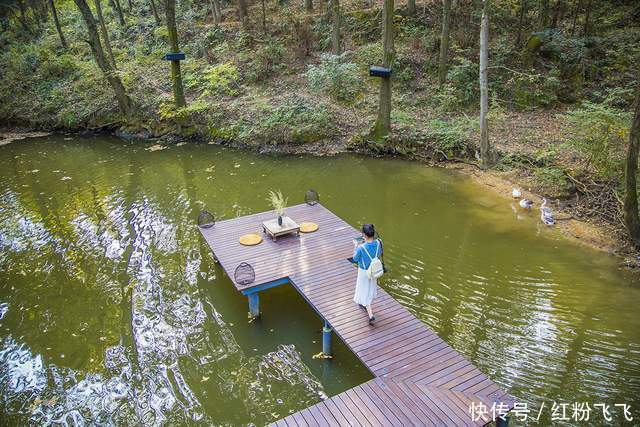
pixel 242 12
pixel 124 102
pixel 631 218
pixel 523 12
pixel 23 17
pixel 115 5
pixel 176 76
pixel 587 17
pixel 444 41
pixel 485 151
pixel 39 12
pixel 54 12
pixel 308 5
pixel 214 12
pixel 382 127
pixel 105 33
pixel 336 42
pixel 576 10
pixel 264 17
pixel 36 11
pixel 558 13
pixel 154 10
pixel 411 7
pixel 216 6
pixel 544 14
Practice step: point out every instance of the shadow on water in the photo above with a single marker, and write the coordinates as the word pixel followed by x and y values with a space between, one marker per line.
pixel 112 309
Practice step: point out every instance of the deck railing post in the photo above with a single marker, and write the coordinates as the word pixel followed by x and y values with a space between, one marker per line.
pixel 254 305
pixel 326 339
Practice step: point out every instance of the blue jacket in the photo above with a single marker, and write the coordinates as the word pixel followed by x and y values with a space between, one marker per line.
pixel 373 249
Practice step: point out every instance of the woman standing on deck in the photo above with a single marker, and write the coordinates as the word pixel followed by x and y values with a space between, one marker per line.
pixel 363 253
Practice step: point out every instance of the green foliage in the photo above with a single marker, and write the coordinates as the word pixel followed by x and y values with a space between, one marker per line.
pixel 296 121
pixel 368 54
pixel 451 138
pixel 553 178
pixel 402 118
pixel 321 30
pixel 265 61
pixel 533 90
pixel 336 77
pixel 192 112
pixel 222 79
pixel 600 132
pixel 402 71
pixel 363 24
pixel 461 87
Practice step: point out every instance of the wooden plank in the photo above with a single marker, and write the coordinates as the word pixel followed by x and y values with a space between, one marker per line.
pixel 369 413
pixel 397 340
pixel 382 358
pixel 381 412
pixel 309 417
pixel 299 419
pixel 346 411
pixel 322 416
pixel 289 421
pixel 337 414
pixel 394 417
pixel 413 403
pixel 438 406
pixel 419 368
pixel 404 327
pixel 356 413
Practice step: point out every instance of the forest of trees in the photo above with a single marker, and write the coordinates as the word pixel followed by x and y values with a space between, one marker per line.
pixel 545 87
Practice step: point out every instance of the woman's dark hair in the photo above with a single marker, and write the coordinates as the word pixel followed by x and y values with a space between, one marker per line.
pixel 368 230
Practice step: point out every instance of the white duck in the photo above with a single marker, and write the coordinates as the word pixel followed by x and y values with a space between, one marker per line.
pixel 516 193
pixel 546 215
pixel 526 203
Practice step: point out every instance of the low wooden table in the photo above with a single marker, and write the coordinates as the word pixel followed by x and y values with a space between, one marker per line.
pixel 274 230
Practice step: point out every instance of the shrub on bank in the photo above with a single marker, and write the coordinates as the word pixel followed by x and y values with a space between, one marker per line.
pixel 450 138
pixel 600 132
pixel 295 121
pixel 221 79
pixel 335 76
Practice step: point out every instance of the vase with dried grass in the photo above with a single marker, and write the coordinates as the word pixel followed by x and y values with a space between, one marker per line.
pixel 278 202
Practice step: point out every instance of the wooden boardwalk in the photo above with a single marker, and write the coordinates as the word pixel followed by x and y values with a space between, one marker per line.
pixel 419 378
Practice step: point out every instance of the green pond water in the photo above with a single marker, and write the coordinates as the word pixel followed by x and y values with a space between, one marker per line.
pixel 112 310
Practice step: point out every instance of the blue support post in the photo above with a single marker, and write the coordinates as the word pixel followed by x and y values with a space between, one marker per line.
pixel 326 339
pixel 254 305
pixel 500 422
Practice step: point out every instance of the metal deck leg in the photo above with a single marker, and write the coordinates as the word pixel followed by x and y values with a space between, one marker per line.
pixel 254 305
pixel 326 339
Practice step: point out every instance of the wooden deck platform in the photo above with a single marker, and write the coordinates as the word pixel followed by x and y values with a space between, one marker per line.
pixel 419 378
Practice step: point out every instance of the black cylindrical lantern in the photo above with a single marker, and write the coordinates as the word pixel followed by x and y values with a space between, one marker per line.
pixel 244 274
pixel 311 197
pixel 206 219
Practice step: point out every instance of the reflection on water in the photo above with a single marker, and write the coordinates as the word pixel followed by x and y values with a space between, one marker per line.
pixel 113 311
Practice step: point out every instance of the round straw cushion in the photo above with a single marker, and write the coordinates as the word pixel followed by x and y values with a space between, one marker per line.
pixel 251 239
pixel 308 227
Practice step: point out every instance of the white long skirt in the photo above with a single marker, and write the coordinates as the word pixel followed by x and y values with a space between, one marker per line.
pixel 366 289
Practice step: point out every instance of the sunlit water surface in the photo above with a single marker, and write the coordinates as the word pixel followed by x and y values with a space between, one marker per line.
pixel 113 311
